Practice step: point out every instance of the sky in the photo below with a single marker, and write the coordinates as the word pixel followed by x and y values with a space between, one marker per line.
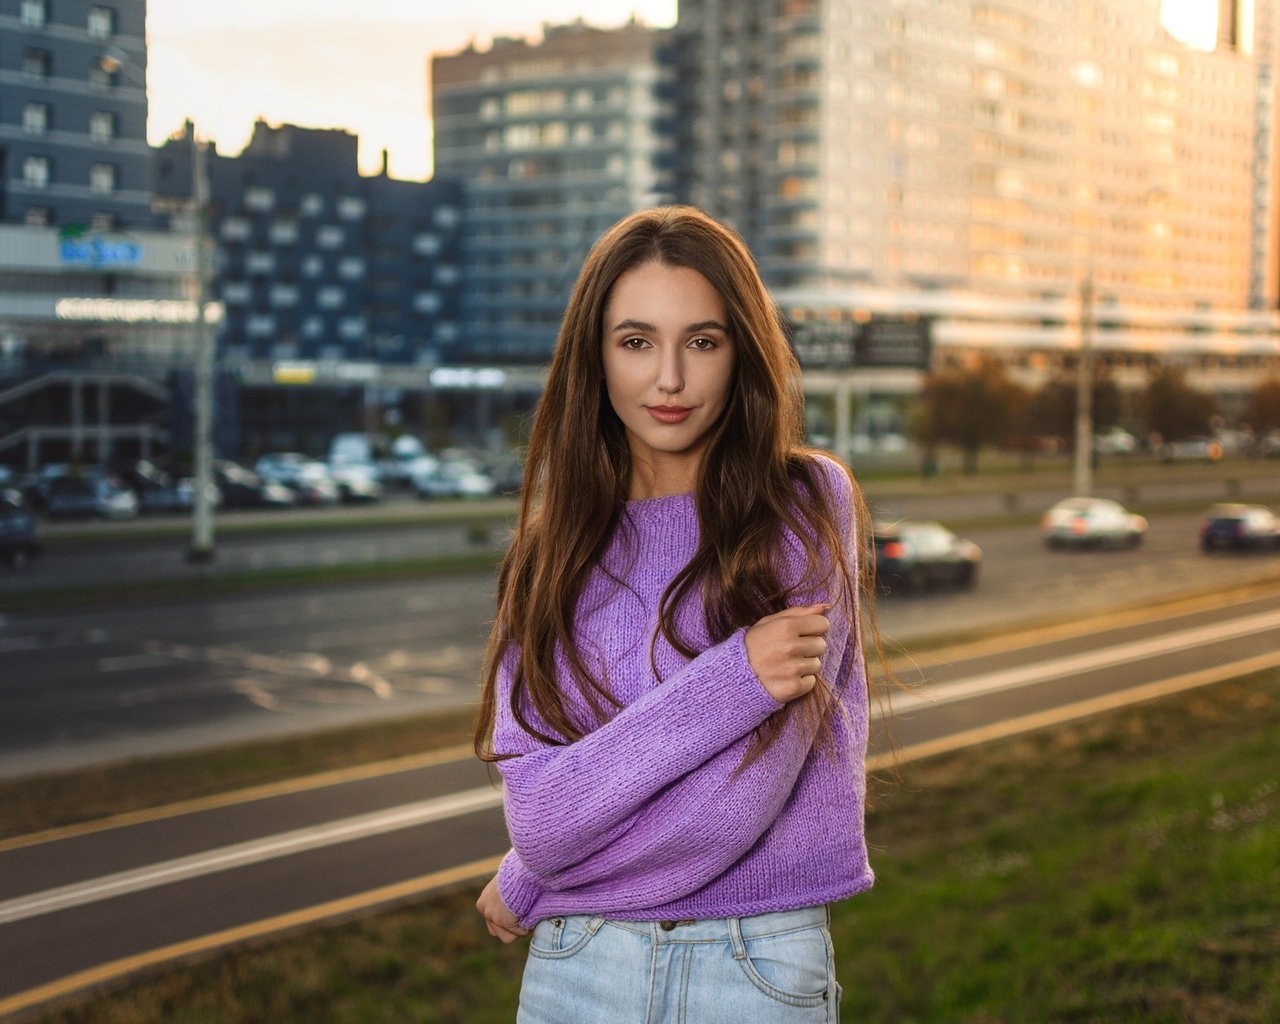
pixel 315 63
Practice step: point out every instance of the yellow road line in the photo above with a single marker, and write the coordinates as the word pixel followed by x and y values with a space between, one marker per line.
pixel 1019 638
pixel 355 773
pixel 117 969
pixel 1068 712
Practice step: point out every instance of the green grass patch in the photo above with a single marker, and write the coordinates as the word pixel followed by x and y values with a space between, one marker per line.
pixel 1124 868
pixel 215 584
pixel 87 794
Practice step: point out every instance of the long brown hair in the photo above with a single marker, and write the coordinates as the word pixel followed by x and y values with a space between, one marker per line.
pixel 756 478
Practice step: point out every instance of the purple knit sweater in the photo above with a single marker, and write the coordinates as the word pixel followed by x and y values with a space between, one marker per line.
pixel 644 818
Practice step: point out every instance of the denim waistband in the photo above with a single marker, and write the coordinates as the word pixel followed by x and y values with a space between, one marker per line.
pixel 728 929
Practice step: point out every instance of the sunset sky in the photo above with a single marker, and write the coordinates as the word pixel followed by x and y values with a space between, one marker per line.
pixel 315 63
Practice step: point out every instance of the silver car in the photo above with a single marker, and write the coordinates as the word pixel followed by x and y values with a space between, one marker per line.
pixel 1092 523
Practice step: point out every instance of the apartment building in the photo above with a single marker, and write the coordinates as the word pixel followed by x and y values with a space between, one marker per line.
pixel 994 175
pixel 554 141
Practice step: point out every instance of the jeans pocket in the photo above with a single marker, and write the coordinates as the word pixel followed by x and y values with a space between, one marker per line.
pixel 557 938
pixel 793 967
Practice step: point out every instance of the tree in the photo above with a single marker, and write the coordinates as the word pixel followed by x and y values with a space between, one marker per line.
pixel 1051 409
pixel 1264 406
pixel 969 408
pixel 1173 408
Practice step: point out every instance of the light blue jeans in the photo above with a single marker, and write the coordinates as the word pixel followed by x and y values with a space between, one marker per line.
pixel 767 968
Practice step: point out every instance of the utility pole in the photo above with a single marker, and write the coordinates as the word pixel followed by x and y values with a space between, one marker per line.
pixel 1083 479
pixel 201 550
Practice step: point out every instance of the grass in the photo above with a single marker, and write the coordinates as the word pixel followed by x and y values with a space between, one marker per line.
pixel 1124 868
pixel 87 794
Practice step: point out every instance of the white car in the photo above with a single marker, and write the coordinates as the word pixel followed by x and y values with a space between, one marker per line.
pixel 454 479
pixel 1092 522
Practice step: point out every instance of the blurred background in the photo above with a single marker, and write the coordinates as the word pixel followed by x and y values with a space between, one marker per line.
pixel 279 282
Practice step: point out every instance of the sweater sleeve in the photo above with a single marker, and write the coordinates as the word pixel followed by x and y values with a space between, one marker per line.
pixel 656 802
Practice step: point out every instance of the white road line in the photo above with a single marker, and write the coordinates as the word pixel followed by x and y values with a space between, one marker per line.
pixel 252 852
pixel 1106 657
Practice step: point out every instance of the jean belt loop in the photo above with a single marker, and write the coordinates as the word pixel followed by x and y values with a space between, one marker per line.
pixel 735 936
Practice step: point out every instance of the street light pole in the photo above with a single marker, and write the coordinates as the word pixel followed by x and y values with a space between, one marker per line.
pixel 201 549
pixel 1083 477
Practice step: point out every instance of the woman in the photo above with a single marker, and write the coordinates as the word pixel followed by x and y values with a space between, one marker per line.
pixel 675 689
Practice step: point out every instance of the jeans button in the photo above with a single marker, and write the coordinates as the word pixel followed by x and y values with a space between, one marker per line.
pixel 667 926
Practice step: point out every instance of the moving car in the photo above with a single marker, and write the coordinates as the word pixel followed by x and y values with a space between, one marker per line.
pixel 19 530
pixel 1092 522
pixel 1240 526
pixel 915 556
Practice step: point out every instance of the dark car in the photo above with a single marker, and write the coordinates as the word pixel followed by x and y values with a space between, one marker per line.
pixel 239 487
pixel 1253 527
pixel 19 530
pixel 157 491
pixel 93 494
pixel 915 556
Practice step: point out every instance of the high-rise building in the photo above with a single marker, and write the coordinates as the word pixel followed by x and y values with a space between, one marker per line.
pixel 554 141
pixel 974 168
pixel 73 114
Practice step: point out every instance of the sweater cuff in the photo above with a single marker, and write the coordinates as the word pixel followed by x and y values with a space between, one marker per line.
pixel 759 696
pixel 517 887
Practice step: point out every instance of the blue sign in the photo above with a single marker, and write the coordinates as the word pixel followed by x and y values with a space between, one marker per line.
pixel 97 251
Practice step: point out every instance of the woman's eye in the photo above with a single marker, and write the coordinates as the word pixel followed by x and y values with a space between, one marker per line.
pixel 634 343
pixel 702 344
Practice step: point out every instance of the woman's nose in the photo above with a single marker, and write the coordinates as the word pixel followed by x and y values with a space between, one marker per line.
pixel 671 373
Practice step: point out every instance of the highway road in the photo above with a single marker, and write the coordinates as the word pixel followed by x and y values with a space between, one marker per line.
pixel 92 903
pixel 86 686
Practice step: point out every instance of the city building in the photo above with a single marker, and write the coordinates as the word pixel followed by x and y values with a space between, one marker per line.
pixel 555 141
pixel 924 181
pixel 96 307
pixel 73 114
pixel 341 291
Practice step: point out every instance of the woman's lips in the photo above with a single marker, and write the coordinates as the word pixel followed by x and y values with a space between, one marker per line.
pixel 668 413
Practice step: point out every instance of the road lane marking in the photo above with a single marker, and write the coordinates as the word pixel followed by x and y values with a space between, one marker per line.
pixel 254 851
pixel 285 787
pixel 348 906
pixel 1069 712
pixel 1074 664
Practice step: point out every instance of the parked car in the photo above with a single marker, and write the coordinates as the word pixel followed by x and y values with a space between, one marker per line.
pixel 1190 449
pixel 281 467
pixel 157 491
pixel 313 484
pixel 1092 522
pixel 1240 526
pixel 915 556
pixel 94 494
pixel 1114 441
pixel 356 481
pixel 19 530
pixel 239 487
pixel 454 479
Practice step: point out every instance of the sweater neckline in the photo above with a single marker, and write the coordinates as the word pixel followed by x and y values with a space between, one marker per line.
pixel 665 505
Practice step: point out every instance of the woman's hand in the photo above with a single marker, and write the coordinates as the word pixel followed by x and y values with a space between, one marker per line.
pixel 502 924
pixel 785 650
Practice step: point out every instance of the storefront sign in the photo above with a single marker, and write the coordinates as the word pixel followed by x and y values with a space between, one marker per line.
pixel 98 252
pixel 136 311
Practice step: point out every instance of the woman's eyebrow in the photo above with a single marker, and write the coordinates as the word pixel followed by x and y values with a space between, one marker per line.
pixel 635 325
pixel 701 325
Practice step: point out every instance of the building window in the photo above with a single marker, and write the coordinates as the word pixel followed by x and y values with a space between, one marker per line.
pixel 312 327
pixel 350 207
pixel 102 22
pixel 329 298
pixel 102 223
pixel 102 78
pixel 37 63
pixel 102 126
pixel 312 266
pixel 261 199
pixel 35 171
pixel 351 268
pixel 330 237
pixel 39 216
pixel 34 13
pixel 102 177
pixel 312 205
pixel 236 229
pixel 35 118
pixel 260 263
pixel 284 232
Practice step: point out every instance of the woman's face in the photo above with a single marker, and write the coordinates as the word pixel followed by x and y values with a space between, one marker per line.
pixel 668 364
